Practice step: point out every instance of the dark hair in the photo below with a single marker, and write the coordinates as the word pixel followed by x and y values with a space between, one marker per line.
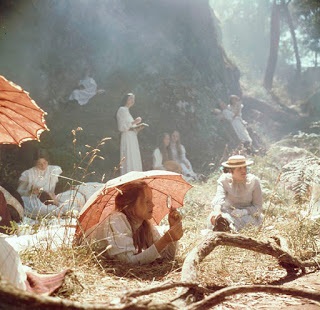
pixel 225 169
pixel 178 145
pixel 125 202
pixel 165 150
pixel 232 97
pixel 45 198
pixel 41 153
pixel 125 99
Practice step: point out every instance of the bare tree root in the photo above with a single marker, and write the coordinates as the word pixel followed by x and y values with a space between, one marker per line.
pixel 214 239
pixel 12 298
pixel 219 296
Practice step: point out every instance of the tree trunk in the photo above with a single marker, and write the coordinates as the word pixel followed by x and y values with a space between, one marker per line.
pixel 274 45
pixel 287 15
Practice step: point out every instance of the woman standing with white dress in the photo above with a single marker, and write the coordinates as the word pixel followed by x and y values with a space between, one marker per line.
pixel 130 158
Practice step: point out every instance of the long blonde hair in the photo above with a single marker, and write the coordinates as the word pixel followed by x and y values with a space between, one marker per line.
pixel 125 202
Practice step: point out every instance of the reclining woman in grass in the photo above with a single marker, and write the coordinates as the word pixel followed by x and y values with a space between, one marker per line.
pixel 37 188
pixel 238 200
pixel 128 236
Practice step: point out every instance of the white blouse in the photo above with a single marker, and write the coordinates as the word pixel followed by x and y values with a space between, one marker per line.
pixel 124 119
pixel 239 202
pixel 157 160
pixel 115 236
pixel 34 177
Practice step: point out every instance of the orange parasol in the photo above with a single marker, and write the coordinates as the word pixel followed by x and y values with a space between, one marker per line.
pixel 21 119
pixel 168 190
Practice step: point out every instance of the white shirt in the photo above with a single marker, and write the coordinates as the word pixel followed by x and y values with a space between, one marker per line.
pixel 157 160
pixel 239 202
pixel 115 235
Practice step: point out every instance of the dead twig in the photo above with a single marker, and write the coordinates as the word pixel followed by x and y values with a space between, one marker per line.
pixel 219 296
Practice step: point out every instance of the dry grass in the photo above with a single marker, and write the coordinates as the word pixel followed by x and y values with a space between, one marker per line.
pixel 99 281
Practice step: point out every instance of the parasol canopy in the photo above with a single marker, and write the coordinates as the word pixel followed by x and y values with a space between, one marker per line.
pixel 21 119
pixel 168 190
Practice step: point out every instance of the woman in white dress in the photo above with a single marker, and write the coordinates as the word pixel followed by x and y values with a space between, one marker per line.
pixel 87 90
pixel 238 199
pixel 127 233
pixel 37 188
pixel 238 124
pixel 178 153
pixel 130 158
pixel 161 157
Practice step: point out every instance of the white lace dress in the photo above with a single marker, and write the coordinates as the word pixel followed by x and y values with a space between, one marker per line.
pixel 114 237
pixel 129 145
pixel 35 178
pixel 182 160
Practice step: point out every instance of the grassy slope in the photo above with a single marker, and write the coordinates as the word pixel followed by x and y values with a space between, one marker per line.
pixel 106 280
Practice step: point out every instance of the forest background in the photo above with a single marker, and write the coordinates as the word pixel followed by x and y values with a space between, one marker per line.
pixel 179 58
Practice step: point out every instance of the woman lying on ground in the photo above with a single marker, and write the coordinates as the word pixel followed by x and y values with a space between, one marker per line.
pixel 37 188
pixel 238 200
pixel 127 233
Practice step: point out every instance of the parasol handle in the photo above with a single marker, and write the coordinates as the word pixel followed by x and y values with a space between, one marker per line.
pixel 176 214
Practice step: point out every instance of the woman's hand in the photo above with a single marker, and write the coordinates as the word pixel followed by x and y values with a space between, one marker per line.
pixel 137 120
pixel 35 191
pixel 54 199
pixel 213 219
pixel 174 217
pixel 174 233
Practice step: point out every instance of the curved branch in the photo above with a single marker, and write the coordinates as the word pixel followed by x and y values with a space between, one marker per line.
pixel 214 239
pixel 218 297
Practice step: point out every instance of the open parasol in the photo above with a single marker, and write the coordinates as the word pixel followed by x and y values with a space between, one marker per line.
pixel 168 190
pixel 21 119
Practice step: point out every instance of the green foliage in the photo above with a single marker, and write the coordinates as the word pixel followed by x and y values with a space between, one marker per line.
pixel 308 14
pixel 299 175
pixel 245 26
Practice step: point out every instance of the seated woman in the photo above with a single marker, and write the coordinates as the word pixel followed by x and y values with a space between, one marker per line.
pixel 178 152
pixel 87 89
pixel 161 156
pixel 127 234
pixel 37 188
pixel 238 200
pixel 238 124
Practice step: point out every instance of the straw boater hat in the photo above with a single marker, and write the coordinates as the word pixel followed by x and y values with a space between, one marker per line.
pixel 237 161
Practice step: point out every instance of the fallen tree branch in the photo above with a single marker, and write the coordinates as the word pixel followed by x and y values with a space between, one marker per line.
pixel 164 287
pixel 12 298
pixel 219 296
pixel 214 239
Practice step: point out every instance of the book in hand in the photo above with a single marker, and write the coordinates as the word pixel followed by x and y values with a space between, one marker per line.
pixel 139 125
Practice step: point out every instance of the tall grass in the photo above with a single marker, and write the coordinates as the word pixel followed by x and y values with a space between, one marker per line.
pixel 103 280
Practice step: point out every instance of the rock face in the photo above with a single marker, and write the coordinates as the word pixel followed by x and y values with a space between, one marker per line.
pixel 167 52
